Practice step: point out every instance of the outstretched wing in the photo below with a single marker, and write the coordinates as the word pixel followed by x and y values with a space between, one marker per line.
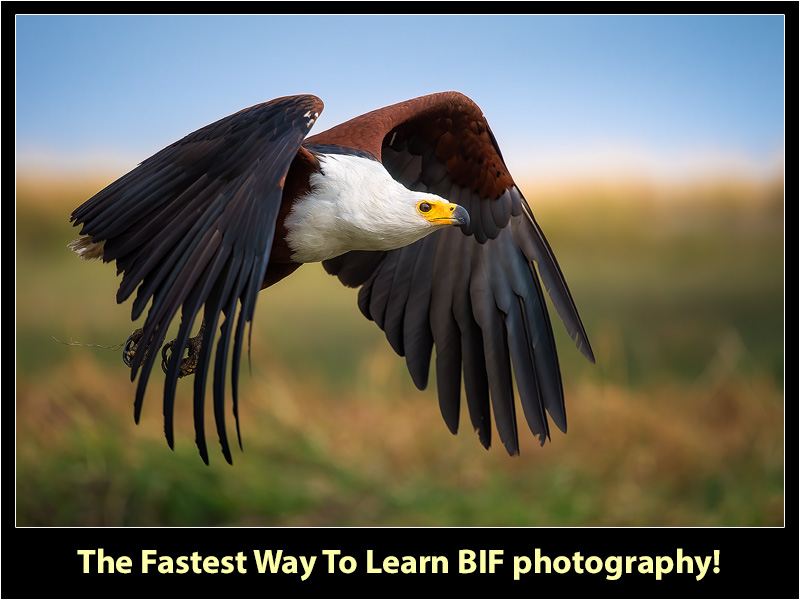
pixel 473 294
pixel 192 227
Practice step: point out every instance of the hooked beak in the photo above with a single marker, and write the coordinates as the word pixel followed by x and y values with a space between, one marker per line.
pixel 441 212
pixel 460 216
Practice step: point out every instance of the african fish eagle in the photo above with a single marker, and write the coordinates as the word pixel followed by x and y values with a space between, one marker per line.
pixel 411 202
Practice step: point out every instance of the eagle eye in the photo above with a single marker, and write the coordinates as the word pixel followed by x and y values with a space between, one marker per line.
pixel 425 207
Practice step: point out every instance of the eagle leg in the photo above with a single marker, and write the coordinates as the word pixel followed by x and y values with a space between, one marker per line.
pixel 188 364
pixel 131 345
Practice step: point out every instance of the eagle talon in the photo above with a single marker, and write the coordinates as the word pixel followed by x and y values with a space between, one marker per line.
pixel 166 352
pixel 131 345
pixel 188 364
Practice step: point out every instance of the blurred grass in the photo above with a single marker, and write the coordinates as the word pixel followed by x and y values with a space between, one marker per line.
pixel 679 423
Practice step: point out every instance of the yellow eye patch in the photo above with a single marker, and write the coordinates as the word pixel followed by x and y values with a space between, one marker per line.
pixel 436 211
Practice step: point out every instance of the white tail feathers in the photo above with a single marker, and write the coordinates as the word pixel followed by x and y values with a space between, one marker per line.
pixel 87 249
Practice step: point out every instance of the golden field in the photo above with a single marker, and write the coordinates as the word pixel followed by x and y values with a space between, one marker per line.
pixel 680 422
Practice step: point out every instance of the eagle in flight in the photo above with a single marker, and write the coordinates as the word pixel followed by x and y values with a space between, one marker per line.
pixel 412 203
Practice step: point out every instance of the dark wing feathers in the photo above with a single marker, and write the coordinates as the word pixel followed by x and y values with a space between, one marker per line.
pixel 476 297
pixel 530 238
pixel 496 350
pixel 398 298
pixel 191 228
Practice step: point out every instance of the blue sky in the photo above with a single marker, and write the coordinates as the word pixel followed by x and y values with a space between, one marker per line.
pixel 562 93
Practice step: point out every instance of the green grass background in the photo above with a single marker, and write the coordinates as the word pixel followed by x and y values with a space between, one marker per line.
pixel 680 422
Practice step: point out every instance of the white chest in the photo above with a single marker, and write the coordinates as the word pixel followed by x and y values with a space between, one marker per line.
pixel 354 204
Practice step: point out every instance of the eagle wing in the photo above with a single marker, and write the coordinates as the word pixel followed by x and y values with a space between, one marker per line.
pixel 192 227
pixel 474 294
